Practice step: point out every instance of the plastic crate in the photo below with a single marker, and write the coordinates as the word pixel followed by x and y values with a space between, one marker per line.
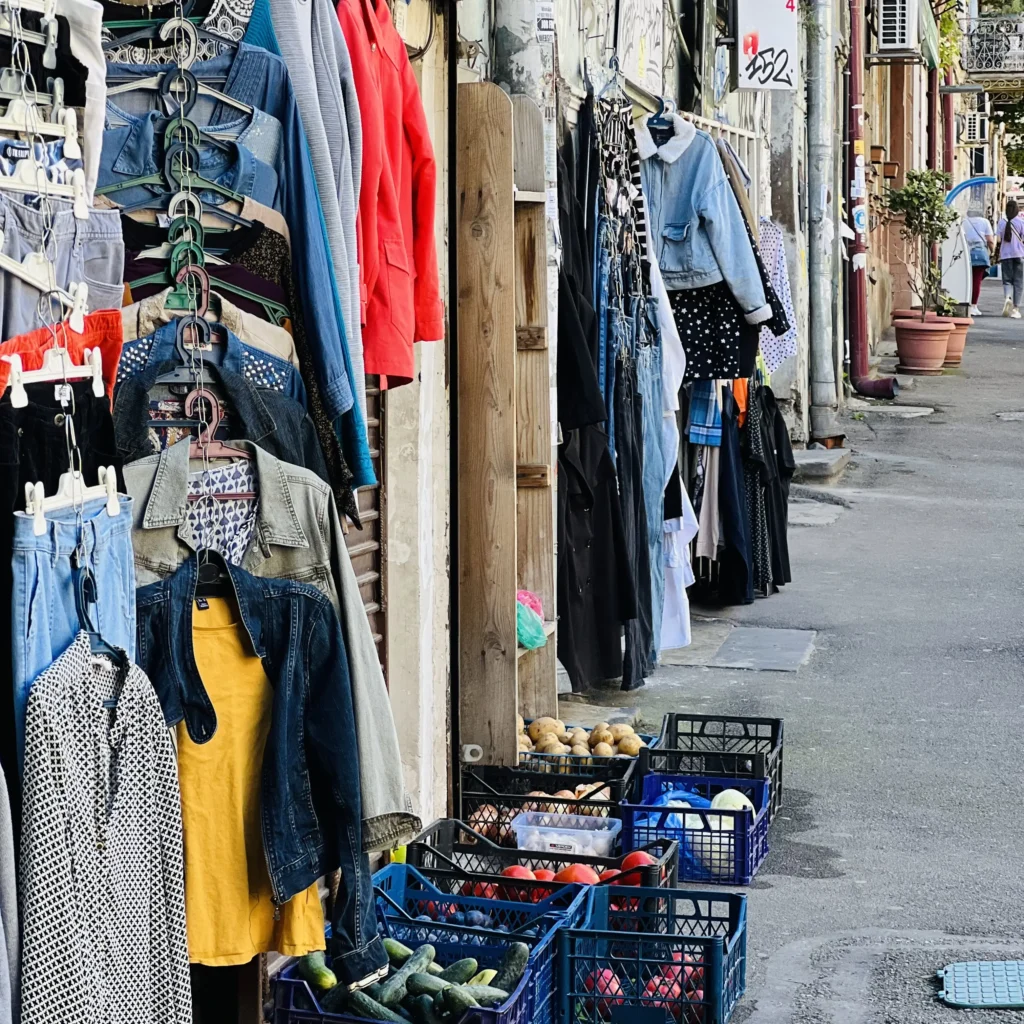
pixel 295 1002
pixel 404 894
pixel 452 856
pixel 710 745
pixel 677 952
pixel 707 853
pixel 567 762
pixel 491 796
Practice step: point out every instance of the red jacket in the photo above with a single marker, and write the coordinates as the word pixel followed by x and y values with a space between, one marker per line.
pixel 397 194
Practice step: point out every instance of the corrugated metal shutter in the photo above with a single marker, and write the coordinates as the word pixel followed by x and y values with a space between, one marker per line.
pixel 368 545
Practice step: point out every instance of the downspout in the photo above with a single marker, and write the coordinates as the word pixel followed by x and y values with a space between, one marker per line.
pixel 860 372
pixel 933 119
pixel 948 129
pixel 820 174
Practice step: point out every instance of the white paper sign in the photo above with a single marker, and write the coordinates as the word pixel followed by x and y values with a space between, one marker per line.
pixel 766 44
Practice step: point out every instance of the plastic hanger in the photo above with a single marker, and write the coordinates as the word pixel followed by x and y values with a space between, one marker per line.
pixel 35 269
pixel 30 178
pixel 71 491
pixel 86 596
pixel 662 128
pixel 206 446
pixel 57 367
pixel 22 116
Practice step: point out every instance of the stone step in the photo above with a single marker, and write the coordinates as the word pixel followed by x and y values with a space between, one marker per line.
pixel 820 465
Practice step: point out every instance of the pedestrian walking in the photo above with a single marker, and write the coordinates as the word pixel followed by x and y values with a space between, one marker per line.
pixel 981 242
pixel 1010 232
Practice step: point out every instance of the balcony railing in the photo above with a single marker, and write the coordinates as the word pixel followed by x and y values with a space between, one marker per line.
pixel 993 51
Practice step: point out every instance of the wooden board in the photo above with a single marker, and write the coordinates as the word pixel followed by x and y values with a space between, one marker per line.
pixel 488 697
pixel 535 542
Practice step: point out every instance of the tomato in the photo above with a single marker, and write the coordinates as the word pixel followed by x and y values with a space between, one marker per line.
pixel 518 871
pixel 663 994
pixel 605 983
pixel 542 892
pixel 580 874
pixel 607 875
pixel 481 890
pixel 636 859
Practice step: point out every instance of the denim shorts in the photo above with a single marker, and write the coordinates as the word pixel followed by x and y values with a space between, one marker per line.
pixel 82 250
pixel 44 614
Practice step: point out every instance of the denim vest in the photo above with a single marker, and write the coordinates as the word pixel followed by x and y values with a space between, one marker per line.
pixel 310 799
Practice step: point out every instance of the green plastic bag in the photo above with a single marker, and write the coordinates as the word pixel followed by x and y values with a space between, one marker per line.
pixel 529 628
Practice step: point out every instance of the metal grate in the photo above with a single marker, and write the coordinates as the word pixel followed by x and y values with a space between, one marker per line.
pixel 997 984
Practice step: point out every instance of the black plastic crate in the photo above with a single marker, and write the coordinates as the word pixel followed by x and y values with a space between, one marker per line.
pixel 492 796
pixel 719 745
pixel 454 858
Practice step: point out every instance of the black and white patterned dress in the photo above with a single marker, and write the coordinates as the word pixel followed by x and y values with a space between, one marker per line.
pixel 101 885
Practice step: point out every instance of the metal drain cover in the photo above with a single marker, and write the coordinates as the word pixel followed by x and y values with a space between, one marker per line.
pixel 997 984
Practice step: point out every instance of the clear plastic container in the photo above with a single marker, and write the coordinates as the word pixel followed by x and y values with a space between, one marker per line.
pixel 566 833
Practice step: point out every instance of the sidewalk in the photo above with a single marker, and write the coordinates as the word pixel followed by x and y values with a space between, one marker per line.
pixel 900 845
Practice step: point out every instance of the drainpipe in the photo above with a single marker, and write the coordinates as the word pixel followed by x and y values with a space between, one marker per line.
pixel 948 129
pixel 863 383
pixel 820 174
pixel 933 119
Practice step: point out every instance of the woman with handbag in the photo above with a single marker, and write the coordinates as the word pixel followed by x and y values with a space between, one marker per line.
pixel 1010 232
pixel 981 242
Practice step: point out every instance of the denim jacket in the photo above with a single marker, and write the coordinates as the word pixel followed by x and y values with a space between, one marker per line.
pixel 696 224
pixel 298 537
pixel 274 421
pixel 310 802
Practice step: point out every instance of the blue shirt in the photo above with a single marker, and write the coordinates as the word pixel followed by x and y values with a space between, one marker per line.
pixel 259 78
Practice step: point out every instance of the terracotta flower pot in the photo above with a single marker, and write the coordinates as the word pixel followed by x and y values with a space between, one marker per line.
pixel 911 314
pixel 957 340
pixel 921 345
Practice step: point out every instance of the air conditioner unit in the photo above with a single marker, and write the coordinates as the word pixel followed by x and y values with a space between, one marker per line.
pixel 975 127
pixel 898 27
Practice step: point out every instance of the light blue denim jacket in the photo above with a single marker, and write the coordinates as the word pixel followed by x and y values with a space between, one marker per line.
pixel 696 224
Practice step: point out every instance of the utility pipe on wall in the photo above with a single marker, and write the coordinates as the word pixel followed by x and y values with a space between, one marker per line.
pixel 948 129
pixel 863 383
pixel 933 119
pixel 820 175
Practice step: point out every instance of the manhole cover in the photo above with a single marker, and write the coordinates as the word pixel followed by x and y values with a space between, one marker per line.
pixel 998 984
pixel 772 650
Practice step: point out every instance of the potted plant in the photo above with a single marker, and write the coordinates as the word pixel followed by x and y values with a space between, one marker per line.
pixel 949 309
pixel 921 342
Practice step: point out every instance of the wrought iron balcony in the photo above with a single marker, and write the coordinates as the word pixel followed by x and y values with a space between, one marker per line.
pixel 993 52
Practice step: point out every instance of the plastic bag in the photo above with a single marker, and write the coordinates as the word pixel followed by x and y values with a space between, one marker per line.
pixel 529 628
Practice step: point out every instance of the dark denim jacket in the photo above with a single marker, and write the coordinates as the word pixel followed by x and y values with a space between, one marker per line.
pixel 310 798
pixel 276 423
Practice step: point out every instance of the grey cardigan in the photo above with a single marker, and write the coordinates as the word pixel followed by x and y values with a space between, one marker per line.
pixel 311 42
pixel 298 536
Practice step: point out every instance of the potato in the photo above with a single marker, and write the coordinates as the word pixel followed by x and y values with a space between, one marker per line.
pixel 601 736
pixel 540 726
pixel 582 733
pixel 564 794
pixel 630 745
pixel 560 724
pixel 565 737
pixel 592 791
pixel 548 743
pixel 618 731
pixel 602 749
pixel 520 724
pixel 579 749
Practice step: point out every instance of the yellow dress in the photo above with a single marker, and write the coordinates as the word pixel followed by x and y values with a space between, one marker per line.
pixel 228 906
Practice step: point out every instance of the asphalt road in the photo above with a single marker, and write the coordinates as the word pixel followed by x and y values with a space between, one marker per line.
pixel 901 843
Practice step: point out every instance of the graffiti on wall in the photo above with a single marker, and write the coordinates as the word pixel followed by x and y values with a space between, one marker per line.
pixel 641 41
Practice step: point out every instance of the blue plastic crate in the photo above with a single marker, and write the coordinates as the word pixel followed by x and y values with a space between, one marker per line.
pixel 645 952
pixel 295 1003
pixel 707 853
pixel 404 894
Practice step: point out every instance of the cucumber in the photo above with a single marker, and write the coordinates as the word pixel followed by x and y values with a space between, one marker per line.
pixel 435 968
pixel 483 978
pixel 423 1010
pixel 456 1000
pixel 397 953
pixel 392 992
pixel 485 995
pixel 363 1006
pixel 314 969
pixel 425 984
pixel 460 972
pixel 512 966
